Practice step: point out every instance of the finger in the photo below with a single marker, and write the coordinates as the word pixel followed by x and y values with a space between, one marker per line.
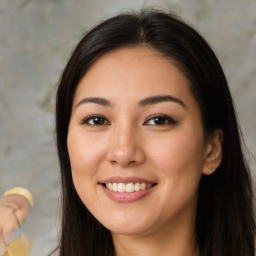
pixel 8 222
pixel 19 204
pixel 2 246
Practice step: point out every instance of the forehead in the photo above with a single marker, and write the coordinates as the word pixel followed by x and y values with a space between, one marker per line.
pixel 134 72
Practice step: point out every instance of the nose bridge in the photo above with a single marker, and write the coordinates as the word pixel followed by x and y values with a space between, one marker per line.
pixel 125 145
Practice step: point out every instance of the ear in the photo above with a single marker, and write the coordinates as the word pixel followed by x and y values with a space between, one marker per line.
pixel 213 152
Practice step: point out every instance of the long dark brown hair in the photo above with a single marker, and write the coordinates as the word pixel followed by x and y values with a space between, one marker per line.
pixel 225 224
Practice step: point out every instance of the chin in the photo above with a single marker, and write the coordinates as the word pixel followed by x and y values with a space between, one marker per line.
pixel 128 232
pixel 127 228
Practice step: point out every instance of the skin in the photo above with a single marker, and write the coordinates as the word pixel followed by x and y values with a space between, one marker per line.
pixel 130 142
pixel 8 222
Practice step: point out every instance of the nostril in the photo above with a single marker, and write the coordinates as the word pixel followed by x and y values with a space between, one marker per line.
pixel 123 163
pixel 132 162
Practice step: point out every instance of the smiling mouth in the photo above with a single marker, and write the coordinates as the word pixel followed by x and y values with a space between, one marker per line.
pixel 128 187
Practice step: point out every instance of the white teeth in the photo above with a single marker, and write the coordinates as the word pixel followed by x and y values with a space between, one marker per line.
pixel 114 187
pixel 129 187
pixel 143 186
pixel 137 187
pixel 121 187
pixel 109 186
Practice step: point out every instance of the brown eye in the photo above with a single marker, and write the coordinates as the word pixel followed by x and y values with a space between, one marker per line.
pixel 96 120
pixel 160 120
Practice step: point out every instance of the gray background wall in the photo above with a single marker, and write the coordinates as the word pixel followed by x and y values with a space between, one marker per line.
pixel 36 38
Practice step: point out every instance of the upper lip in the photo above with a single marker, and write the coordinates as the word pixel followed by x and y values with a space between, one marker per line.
pixel 119 179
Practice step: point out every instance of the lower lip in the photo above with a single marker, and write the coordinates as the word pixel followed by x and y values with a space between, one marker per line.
pixel 126 197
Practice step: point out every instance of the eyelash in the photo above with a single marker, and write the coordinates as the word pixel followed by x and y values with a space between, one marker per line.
pixel 163 119
pixel 94 118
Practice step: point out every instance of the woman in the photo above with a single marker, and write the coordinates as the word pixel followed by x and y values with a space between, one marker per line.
pixel 149 146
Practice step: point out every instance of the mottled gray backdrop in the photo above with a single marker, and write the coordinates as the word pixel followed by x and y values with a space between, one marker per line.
pixel 37 37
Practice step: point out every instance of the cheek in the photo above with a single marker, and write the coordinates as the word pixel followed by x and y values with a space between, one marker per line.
pixel 84 157
pixel 84 153
pixel 179 162
pixel 179 152
pixel 179 159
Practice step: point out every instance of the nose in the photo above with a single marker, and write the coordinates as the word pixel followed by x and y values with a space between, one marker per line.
pixel 126 147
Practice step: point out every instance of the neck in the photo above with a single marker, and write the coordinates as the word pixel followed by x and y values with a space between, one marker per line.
pixel 178 240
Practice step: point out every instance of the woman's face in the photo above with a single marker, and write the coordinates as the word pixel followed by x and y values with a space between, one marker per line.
pixel 136 142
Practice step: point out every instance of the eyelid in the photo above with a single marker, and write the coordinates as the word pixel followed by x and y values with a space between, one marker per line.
pixel 86 120
pixel 171 120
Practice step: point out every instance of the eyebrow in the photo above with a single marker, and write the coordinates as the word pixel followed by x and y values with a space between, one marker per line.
pixel 97 100
pixel 159 99
pixel 144 102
